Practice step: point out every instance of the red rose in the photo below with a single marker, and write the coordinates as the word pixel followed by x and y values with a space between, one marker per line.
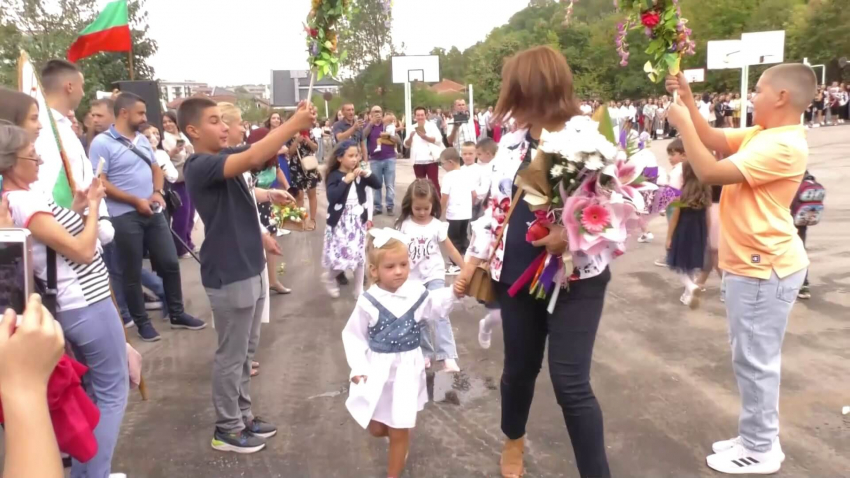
pixel 314 33
pixel 650 19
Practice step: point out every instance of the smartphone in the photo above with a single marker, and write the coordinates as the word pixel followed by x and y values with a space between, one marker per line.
pixel 16 273
pixel 180 143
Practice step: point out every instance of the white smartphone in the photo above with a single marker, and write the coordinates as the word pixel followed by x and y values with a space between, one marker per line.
pixel 16 273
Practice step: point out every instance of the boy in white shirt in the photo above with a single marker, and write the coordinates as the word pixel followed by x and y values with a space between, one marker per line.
pixel 457 199
pixel 485 150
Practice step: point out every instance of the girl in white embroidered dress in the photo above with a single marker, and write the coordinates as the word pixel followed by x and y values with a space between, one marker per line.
pixel 381 342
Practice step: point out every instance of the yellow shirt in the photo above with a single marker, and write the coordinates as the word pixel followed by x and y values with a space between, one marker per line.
pixel 758 235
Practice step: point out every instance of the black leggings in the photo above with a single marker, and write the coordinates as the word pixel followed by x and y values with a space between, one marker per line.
pixel 571 331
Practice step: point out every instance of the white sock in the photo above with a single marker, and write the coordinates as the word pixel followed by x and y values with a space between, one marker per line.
pixel 688 282
pixel 493 319
pixel 359 274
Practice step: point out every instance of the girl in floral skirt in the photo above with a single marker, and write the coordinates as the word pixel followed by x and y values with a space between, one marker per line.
pixel 345 234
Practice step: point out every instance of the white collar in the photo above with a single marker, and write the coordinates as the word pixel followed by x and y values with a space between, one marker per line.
pixel 59 117
pixel 409 290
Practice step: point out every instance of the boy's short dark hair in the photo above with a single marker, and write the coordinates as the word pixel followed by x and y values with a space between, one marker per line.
pixel 488 145
pixel 420 108
pixel 125 101
pixel 54 71
pixel 676 146
pixel 468 144
pixel 450 154
pixel 190 112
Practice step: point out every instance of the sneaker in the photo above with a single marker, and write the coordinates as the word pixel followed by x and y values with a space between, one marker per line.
pixel 483 334
pixel 242 442
pixel 330 285
pixel 453 270
pixel 261 428
pixel 646 237
pixel 661 262
pixel 390 212
pixel 283 232
pixel 341 279
pixel 377 212
pixel 805 293
pixel 152 302
pixel 186 321
pixel 185 255
pixel 723 445
pixel 739 461
pixel 117 475
pixel 148 333
pixel 451 366
pixel 128 322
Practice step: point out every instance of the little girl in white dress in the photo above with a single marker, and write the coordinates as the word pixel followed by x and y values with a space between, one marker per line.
pixel 381 342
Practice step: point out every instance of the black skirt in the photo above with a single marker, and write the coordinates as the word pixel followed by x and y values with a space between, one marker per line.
pixel 690 241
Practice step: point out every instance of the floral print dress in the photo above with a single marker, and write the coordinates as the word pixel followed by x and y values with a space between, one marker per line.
pixel 345 243
pixel 302 179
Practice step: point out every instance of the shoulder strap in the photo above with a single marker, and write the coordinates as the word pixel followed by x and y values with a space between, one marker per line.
pixel 381 308
pixel 517 197
pixel 420 301
pixel 132 147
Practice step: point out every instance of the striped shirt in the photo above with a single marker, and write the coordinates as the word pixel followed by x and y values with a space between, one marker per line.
pixel 79 285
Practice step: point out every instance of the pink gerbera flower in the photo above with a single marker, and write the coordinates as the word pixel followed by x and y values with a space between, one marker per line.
pixel 595 219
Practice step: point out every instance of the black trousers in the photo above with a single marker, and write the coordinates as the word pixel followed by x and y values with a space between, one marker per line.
pixel 134 234
pixel 458 234
pixel 571 331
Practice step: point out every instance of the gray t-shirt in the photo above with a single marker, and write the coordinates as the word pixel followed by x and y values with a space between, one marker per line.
pixel 233 247
pixel 123 168
pixel 342 126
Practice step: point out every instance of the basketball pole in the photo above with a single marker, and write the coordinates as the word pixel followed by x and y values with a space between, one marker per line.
pixel 745 83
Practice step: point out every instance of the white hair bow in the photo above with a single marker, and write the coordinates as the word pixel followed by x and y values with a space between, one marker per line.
pixel 381 236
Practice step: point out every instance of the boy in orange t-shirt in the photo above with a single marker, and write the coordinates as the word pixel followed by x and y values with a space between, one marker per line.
pixel 763 259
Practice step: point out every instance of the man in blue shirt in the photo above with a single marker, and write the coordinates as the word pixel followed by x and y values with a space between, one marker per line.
pixel 380 146
pixel 135 200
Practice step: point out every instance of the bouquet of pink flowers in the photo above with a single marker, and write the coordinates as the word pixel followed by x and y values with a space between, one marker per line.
pixel 583 180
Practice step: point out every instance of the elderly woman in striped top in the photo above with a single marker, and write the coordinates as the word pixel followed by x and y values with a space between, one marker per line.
pixel 83 303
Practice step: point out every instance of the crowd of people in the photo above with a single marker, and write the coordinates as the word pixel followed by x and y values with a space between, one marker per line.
pixel 138 192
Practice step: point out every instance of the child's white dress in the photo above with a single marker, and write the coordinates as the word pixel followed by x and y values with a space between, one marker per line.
pixel 394 391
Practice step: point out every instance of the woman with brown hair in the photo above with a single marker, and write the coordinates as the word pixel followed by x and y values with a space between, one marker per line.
pixel 537 91
pixel 20 109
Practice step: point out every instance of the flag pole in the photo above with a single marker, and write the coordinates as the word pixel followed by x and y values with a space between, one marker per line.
pixel 130 61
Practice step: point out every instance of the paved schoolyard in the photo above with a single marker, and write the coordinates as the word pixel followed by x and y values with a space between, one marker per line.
pixel 662 374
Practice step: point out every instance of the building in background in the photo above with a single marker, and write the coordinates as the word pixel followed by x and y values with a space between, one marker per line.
pixel 171 90
pixel 259 91
pixel 447 86
pixel 289 87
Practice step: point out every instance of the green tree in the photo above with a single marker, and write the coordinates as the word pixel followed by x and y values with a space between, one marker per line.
pixel 366 35
pixel 46 29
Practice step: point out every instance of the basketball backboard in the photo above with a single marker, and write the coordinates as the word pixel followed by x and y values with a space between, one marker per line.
pixel 416 68
pixel 762 48
pixel 725 54
pixel 696 75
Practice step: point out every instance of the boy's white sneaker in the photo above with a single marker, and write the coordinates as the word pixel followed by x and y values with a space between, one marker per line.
pixel 723 445
pixel 484 334
pixel 740 461
pixel 453 270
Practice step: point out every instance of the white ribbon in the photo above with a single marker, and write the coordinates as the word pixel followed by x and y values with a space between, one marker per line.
pixel 381 236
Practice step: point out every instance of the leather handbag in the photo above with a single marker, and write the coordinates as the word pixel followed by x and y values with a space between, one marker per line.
pixel 481 283
pixel 308 163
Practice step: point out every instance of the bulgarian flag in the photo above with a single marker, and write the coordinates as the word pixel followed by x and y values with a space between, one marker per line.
pixel 110 31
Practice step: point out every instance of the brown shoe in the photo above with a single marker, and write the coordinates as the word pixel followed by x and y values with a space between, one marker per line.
pixel 511 461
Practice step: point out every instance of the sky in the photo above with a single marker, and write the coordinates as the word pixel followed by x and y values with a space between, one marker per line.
pixel 240 42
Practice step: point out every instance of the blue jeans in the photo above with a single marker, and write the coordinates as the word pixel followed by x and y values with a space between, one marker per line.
pixel 97 338
pixel 758 313
pixel 445 339
pixel 150 281
pixel 384 169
